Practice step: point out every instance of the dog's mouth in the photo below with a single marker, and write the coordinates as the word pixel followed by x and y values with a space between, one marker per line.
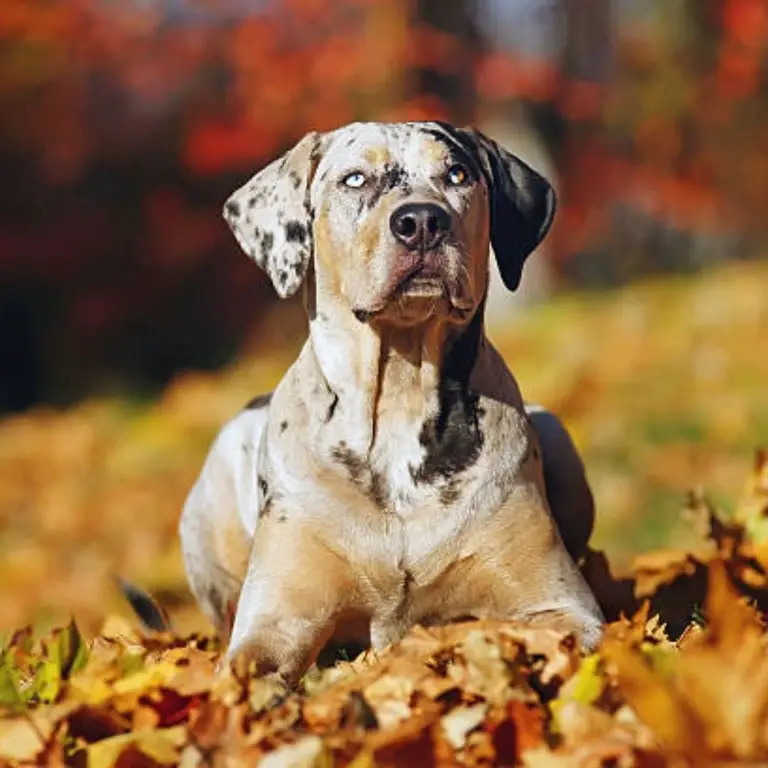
pixel 420 283
pixel 423 281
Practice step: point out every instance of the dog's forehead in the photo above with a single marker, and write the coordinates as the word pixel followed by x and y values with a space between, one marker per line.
pixel 413 145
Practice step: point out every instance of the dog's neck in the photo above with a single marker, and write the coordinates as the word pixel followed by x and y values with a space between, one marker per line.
pixel 380 371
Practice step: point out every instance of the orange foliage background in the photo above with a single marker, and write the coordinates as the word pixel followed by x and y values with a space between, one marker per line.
pixel 125 125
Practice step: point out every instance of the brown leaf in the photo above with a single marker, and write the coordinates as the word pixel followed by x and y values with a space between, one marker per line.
pixel 411 742
pixel 654 570
pixel 207 724
pixel 96 723
pixel 615 595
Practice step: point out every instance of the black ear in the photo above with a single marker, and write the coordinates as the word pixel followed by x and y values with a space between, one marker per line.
pixel 271 219
pixel 522 202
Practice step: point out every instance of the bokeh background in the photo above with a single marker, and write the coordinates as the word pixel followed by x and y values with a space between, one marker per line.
pixel 131 327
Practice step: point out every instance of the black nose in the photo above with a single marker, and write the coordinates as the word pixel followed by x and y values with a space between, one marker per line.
pixel 420 226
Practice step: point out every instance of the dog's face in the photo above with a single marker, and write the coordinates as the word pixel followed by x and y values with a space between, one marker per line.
pixel 398 218
pixel 401 223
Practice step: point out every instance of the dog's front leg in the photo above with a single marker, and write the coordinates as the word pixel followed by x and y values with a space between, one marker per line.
pixel 519 569
pixel 295 589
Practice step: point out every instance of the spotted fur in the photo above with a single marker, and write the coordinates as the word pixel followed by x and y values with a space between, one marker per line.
pixel 395 475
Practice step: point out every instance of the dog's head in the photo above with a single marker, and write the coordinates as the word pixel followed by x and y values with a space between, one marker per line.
pixel 397 218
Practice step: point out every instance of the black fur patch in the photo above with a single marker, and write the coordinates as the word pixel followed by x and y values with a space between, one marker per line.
pixel 149 611
pixel 283 426
pixel 232 209
pixel 260 401
pixel 453 438
pixel 295 179
pixel 360 473
pixel 295 232
pixel 267 242
pixel 263 486
pixel 332 408
pixel 394 176
pixel 349 459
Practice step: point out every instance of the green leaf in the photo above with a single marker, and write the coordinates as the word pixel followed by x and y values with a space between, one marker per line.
pixel 9 682
pixel 45 684
pixel 130 663
pixel 70 651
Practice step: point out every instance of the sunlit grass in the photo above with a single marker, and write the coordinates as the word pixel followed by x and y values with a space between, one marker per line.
pixel 663 385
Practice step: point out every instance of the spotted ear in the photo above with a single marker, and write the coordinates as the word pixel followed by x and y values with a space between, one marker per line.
pixel 271 216
pixel 522 202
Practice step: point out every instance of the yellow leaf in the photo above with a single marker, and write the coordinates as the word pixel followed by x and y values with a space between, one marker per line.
pixel 161 745
pixel 655 700
pixel 587 684
pixel 152 676
pixel 364 759
pixel 752 510
pixel 89 690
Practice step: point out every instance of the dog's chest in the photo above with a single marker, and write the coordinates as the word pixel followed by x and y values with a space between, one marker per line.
pixel 393 462
pixel 416 465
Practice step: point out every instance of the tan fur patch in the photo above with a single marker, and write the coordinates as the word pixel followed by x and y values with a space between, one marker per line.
pixel 434 151
pixel 369 236
pixel 377 155
pixel 325 250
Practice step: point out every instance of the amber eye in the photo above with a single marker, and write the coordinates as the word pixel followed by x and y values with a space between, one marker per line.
pixel 457 175
pixel 355 180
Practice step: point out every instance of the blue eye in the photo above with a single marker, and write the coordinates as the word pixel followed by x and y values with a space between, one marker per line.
pixel 457 175
pixel 355 180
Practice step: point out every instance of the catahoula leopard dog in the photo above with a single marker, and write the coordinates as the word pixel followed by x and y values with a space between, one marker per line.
pixel 394 476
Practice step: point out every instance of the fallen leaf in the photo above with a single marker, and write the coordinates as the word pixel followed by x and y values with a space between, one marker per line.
pixel 389 698
pixel 161 745
pixel 459 722
pixel 309 752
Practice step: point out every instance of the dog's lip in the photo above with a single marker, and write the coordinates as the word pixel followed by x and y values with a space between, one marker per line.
pixel 420 273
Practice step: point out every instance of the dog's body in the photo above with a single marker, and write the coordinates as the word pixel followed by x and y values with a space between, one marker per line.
pixel 394 476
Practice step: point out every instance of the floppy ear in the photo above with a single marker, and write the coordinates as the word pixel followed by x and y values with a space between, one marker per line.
pixel 271 217
pixel 522 205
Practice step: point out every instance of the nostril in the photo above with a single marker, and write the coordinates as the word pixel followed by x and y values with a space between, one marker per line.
pixel 406 225
pixel 433 224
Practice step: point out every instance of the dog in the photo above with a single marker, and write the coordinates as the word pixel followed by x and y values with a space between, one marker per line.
pixel 394 476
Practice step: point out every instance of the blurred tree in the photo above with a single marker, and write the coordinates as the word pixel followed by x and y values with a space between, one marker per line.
pixel 126 124
pixel 449 44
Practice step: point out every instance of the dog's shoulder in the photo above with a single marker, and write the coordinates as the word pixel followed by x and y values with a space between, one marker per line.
pixel 229 478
